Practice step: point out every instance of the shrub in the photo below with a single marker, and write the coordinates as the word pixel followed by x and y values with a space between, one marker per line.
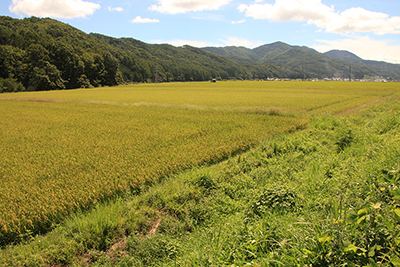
pixel 10 85
pixel 276 198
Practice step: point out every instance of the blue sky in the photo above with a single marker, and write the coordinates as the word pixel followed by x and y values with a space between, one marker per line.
pixel 368 28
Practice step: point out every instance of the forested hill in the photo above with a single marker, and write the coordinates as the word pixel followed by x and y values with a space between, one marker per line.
pixel 142 62
pixel 45 54
pixel 308 62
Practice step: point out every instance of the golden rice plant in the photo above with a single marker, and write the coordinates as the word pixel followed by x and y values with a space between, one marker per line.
pixel 61 157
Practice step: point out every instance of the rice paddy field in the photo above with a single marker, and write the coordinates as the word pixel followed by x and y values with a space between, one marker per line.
pixel 286 97
pixel 64 151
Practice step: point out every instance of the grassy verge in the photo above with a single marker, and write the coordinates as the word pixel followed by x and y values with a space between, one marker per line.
pixel 324 196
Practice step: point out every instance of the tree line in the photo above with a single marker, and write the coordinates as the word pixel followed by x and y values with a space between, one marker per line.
pixel 45 54
pixel 37 54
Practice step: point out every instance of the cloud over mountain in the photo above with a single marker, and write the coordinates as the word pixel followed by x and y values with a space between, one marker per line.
pixel 183 6
pixel 139 19
pixel 66 9
pixel 355 19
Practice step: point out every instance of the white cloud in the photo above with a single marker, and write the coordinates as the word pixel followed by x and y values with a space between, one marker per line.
pixel 183 6
pixel 314 12
pixel 239 21
pixel 364 47
pixel 119 9
pixel 138 19
pixel 54 8
pixel 287 10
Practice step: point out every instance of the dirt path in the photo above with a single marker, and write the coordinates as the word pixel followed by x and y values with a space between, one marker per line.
pixel 357 108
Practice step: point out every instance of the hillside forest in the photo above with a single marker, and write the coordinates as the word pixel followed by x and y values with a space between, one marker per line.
pixel 45 54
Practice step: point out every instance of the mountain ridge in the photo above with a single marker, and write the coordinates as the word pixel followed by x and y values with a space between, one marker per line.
pixel 46 54
pixel 311 63
pixel 343 54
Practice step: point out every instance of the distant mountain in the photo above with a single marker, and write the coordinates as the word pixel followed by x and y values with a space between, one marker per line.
pixel 45 54
pixel 342 54
pixel 381 68
pixel 305 62
pixel 238 54
pixel 169 63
